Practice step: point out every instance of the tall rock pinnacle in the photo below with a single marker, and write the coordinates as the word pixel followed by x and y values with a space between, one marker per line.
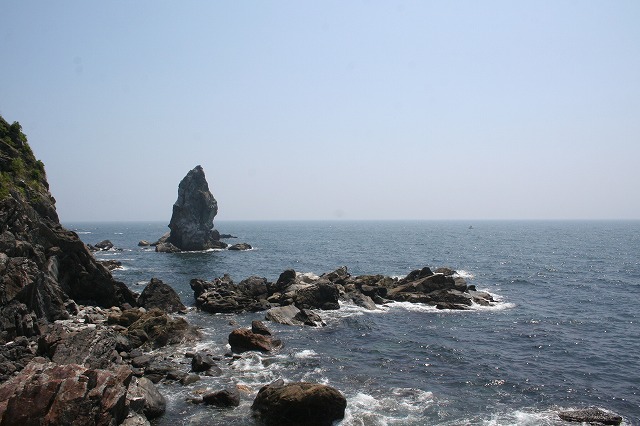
pixel 193 213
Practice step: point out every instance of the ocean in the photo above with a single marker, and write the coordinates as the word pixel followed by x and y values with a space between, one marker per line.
pixel 565 333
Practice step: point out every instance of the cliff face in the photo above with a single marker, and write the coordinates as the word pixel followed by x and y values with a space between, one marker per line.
pixel 44 268
pixel 193 213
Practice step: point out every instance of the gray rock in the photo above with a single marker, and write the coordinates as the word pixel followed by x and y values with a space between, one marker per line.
pixel 193 213
pixel 291 315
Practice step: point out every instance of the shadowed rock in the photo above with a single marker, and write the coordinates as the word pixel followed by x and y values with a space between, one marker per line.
pixel 162 296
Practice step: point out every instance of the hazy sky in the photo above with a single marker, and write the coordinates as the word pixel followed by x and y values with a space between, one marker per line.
pixel 330 109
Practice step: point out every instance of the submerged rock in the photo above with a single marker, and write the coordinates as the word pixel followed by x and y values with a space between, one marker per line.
pixel 193 213
pixel 240 247
pixel 299 403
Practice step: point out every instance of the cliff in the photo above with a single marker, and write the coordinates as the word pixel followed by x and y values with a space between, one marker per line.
pixel 45 269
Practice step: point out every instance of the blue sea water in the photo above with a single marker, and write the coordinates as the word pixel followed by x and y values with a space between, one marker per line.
pixel 564 335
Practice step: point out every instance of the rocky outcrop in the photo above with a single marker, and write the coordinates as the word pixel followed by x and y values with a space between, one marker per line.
pixel 592 416
pixel 293 298
pixel 299 403
pixel 193 213
pixel 43 266
pixel 223 296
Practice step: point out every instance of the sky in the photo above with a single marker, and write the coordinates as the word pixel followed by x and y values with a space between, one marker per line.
pixel 358 110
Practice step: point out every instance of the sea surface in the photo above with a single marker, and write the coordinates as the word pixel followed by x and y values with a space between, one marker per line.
pixel 565 334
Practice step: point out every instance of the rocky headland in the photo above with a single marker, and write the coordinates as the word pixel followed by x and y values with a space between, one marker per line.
pixel 68 330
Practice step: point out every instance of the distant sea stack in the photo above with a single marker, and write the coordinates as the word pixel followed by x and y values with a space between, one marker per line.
pixel 192 219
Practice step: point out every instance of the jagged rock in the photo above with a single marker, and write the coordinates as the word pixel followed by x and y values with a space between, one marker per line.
pixel 223 398
pixel 240 247
pixel 64 394
pixel 93 347
pixel 243 339
pixel 299 403
pixel 193 213
pixel 591 416
pixel 291 315
pixel 322 295
pixel 162 296
pixel 144 243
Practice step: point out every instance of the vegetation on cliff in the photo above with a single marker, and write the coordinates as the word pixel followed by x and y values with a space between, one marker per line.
pixel 19 168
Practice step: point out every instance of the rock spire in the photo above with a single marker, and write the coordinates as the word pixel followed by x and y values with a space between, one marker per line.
pixel 193 213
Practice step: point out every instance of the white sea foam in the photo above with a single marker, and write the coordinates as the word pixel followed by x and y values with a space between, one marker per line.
pixel 464 274
pixel 400 406
pixel 307 353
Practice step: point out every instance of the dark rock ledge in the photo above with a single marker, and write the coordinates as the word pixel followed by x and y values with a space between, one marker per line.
pixel 293 298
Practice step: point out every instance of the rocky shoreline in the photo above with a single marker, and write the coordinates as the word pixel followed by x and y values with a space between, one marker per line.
pixel 79 347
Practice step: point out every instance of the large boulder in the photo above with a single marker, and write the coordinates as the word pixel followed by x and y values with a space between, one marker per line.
pixel 46 393
pixel 145 398
pixel 299 403
pixel 159 295
pixel 156 328
pixel 193 213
